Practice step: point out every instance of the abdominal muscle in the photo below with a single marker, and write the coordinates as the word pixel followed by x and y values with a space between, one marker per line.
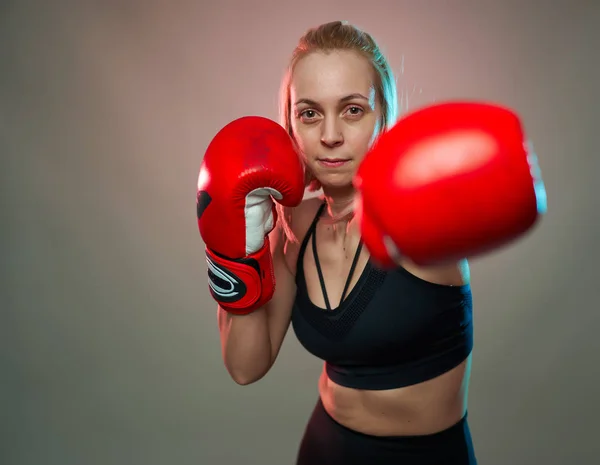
pixel 424 408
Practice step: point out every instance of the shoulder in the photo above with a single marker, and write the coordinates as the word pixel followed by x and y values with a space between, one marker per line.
pixel 297 220
pixel 294 224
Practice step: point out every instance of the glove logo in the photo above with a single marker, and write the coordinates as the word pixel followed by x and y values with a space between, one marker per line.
pixel 224 285
pixel 203 199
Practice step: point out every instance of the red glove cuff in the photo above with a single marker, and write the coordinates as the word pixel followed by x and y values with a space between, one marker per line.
pixel 241 285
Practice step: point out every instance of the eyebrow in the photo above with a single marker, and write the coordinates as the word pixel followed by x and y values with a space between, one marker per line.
pixel 343 99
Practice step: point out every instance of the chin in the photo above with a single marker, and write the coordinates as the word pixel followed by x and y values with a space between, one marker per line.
pixel 336 181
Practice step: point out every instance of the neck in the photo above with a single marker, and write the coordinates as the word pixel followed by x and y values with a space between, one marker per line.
pixel 340 203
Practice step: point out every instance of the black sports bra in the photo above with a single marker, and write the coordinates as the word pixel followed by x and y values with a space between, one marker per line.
pixel 391 330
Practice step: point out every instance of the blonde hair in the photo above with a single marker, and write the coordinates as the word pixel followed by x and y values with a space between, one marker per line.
pixel 338 35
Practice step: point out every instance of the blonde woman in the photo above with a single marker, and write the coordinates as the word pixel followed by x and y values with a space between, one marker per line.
pixel 391 319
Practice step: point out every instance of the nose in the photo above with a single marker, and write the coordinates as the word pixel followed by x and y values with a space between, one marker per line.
pixel 331 135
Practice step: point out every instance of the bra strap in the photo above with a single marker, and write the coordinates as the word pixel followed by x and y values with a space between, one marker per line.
pixel 320 272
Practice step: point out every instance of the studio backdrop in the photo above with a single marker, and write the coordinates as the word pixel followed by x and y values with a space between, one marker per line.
pixel 109 349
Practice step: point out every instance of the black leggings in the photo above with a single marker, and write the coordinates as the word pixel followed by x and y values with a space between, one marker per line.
pixel 327 442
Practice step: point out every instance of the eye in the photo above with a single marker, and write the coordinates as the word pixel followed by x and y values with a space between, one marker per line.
pixel 355 110
pixel 307 115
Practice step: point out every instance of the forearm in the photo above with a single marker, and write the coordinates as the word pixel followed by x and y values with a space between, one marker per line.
pixel 245 344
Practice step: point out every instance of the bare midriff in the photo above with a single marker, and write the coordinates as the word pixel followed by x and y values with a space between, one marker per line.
pixel 420 409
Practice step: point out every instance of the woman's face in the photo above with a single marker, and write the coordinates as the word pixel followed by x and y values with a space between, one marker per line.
pixel 334 113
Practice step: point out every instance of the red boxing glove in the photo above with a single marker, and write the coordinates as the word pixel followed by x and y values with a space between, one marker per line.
pixel 250 162
pixel 448 181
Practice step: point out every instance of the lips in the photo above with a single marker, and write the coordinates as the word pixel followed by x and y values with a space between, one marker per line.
pixel 333 162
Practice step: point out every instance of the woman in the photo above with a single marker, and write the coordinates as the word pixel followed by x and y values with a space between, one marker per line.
pixel 397 343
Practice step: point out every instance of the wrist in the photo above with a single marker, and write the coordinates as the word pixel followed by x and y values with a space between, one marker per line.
pixel 241 285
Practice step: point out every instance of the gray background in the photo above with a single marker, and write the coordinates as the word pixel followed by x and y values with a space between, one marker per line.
pixel 109 345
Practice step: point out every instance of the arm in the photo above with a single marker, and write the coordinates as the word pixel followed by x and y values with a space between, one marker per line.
pixel 250 343
pixel 453 273
pixel 250 164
